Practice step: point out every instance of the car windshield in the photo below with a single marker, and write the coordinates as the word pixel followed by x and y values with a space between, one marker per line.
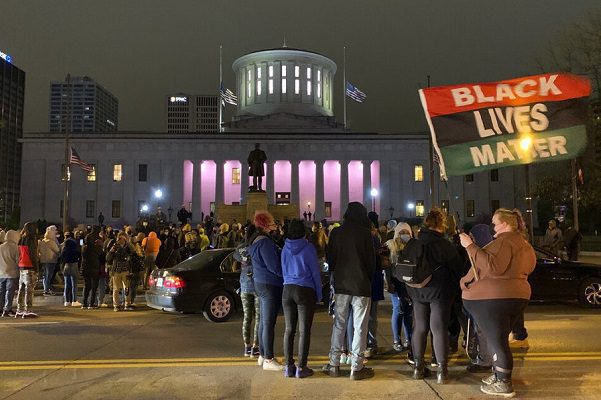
pixel 200 260
pixel 545 255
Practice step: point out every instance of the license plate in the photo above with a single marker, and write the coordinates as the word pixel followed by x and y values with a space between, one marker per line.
pixel 160 282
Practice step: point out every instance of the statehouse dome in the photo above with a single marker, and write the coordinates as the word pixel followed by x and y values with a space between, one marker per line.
pixel 284 80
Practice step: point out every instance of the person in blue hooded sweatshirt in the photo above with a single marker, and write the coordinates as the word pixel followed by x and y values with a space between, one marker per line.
pixel 302 290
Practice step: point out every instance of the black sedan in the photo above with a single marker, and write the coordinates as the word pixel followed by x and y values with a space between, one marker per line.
pixel 207 283
pixel 558 279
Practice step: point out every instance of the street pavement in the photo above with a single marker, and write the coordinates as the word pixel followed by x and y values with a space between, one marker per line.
pixel 148 354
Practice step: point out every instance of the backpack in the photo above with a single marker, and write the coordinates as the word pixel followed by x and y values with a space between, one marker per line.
pixel 412 266
pixel 122 260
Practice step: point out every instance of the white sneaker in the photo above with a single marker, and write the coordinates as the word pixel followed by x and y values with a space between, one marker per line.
pixel 76 304
pixel 343 358
pixel 104 305
pixel 67 304
pixel 260 361
pixel 272 365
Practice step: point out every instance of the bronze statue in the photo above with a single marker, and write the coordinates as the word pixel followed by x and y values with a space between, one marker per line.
pixel 256 159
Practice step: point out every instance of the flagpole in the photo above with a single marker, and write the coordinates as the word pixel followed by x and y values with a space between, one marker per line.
pixel 67 158
pixel 219 100
pixel 431 145
pixel 344 82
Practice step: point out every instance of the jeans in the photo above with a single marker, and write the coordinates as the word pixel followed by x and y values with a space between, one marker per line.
pixel 361 306
pixel 149 265
pixel 8 286
pixel 132 285
pixel 431 315
pixel 48 269
pixel 27 280
pixel 101 289
pixel 250 306
pixel 270 300
pixel 495 318
pixel 402 316
pixel 299 307
pixel 119 280
pixel 71 274
pixel 89 290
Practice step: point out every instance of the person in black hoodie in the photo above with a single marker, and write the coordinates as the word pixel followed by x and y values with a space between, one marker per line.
pixel 432 303
pixel 90 266
pixel 352 260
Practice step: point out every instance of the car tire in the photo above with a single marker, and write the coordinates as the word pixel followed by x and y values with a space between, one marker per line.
pixel 219 307
pixel 589 294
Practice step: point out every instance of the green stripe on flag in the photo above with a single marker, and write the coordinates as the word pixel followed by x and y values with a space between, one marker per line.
pixel 506 150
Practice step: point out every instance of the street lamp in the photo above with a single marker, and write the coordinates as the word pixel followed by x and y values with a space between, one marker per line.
pixel 158 194
pixel 374 194
pixel 144 208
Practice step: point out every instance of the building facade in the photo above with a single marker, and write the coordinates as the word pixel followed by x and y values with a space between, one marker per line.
pixel 12 98
pixel 192 114
pixel 79 104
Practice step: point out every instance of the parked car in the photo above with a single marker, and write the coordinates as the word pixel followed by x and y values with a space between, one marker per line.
pixel 558 279
pixel 208 282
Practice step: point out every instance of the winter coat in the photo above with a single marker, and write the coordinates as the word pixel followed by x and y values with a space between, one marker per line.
pixel 28 248
pixel 168 254
pixel 48 250
pixel 9 255
pixel 445 263
pixel 266 260
pixel 300 265
pixel 71 251
pixel 351 254
pixel 151 244
pixel 92 254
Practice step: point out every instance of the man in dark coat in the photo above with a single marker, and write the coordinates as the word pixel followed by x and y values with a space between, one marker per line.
pixel 183 215
pixel 352 260
pixel 256 159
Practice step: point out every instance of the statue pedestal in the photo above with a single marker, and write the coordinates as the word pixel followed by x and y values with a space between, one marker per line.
pixel 255 201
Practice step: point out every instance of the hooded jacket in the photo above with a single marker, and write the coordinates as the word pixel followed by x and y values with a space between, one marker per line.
pixel 28 248
pixel 266 260
pixel 351 254
pixel 9 255
pixel 151 244
pixel 92 253
pixel 48 247
pixel 300 265
pixel 71 251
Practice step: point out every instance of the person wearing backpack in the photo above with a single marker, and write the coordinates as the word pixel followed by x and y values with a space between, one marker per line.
pixel 119 261
pixel 432 303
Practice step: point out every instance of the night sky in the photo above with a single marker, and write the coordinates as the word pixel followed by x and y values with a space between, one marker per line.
pixel 141 50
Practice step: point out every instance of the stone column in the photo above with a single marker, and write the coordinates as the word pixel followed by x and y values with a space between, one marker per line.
pixel 343 186
pixel 196 208
pixel 319 191
pixel 219 198
pixel 243 181
pixel 270 184
pixel 294 185
pixel 367 184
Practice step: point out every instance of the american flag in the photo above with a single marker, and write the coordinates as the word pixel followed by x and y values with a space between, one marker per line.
pixel 354 93
pixel 227 96
pixel 75 159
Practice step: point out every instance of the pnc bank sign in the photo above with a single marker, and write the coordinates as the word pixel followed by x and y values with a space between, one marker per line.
pixel 6 57
pixel 178 99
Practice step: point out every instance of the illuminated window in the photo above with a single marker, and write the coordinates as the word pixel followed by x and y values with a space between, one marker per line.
pixel 296 71
pixel 419 173
pixel 284 85
pixel 420 208
pixel 296 79
pixel 319 83
pixel 258 72
pixel 328 209
pixel 270 83
pixel 116 209
pixel 92 174
pixel 308 72
pixel 259 82
pixel 270 86
pixel 283 70
pixel 470 208
pixel 248 79
pixel 309 84
pixel 236 176
pixel 309 88
pixel 117 172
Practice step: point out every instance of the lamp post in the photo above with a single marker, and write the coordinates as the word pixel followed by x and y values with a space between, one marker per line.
pixel 309 210
pixel 410 206
pixel 169 212
pixel 391 211
pixel 374 194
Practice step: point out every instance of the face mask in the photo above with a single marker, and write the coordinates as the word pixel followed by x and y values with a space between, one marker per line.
pixel 405 238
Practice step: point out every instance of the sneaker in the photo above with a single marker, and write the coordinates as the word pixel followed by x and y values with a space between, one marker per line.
pixel 67 304
pixel 332 370
pixel 304 372
pixel 272 365
pixel 519 344
pixel 104 305
pixel 289 371
pixel 116 309
pixel 433 362
pixel 260 360
pixel 410 359
pixel 397 347
pixel 367 353
pixel 255 352
pixel 29 314
pixel 477 368
pixel 19 314
pixel 76 304
pixel 128 308
pixel 248 351
pixel 489 380
pixel 363 373
pixel 344 358
pixel 9 313
pixel 47 293
pixel 499 387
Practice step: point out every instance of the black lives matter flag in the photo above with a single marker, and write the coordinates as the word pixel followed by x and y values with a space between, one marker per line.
pixel 477 127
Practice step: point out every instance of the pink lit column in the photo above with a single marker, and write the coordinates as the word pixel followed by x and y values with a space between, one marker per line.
pixel 319 197
pixel 343 187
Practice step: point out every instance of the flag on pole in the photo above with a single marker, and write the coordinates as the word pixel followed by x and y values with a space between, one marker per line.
pixel 75 159
pixel 227 96
pixel 354 93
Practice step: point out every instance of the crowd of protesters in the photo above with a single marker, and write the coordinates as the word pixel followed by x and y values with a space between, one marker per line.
pixel 477 280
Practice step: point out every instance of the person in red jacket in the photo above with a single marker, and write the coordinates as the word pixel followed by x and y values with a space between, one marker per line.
pixel 29 267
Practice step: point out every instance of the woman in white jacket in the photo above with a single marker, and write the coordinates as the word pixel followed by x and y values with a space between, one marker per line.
pixel 49 251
